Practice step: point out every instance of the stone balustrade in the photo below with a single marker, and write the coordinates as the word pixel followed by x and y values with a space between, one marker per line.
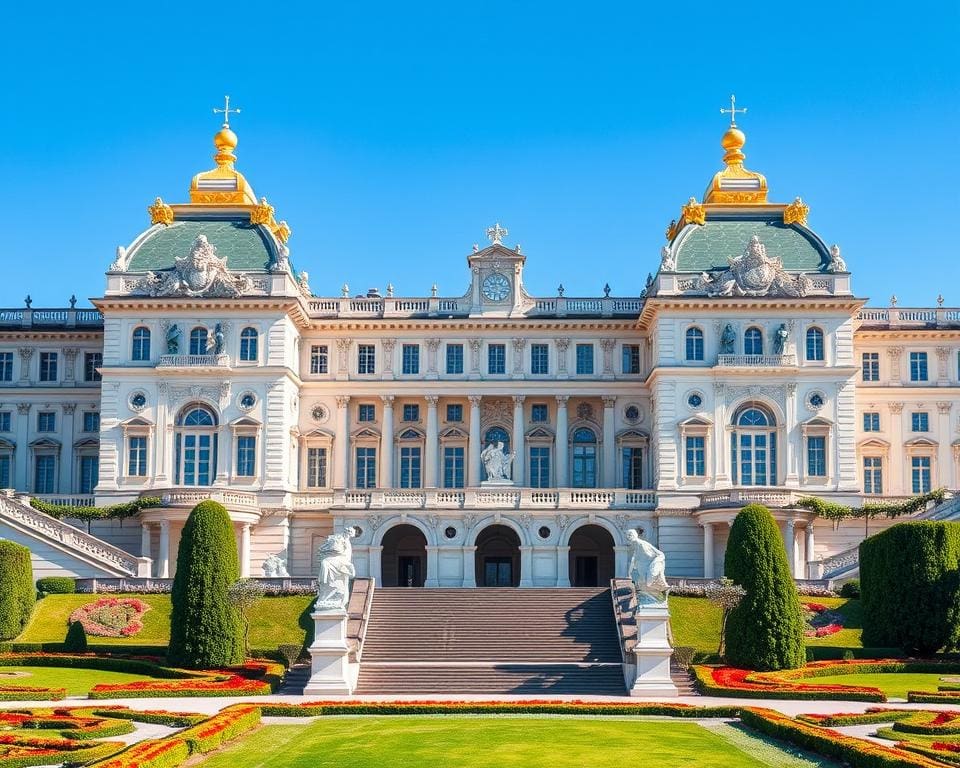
pixel 436 306
pixel 910 317
pixel 28 318
pixel 66 500
pixel 189 497
pixel 756 361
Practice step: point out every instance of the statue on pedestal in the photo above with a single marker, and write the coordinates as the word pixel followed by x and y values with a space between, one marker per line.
pixel 336 570
pixel 727 340
pixel 173 340
pixel 647 570
pixel 497 463
pixel 780 339
pixel 275 567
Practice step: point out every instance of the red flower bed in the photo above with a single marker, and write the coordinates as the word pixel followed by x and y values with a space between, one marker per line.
pixel 111 616
pixel 821 621
pixel 730 681
pixel 254 678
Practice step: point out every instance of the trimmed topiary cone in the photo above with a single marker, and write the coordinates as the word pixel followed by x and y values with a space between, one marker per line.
pixel 76 639
pixel 205 631
pixel 765 631
pixel 17 593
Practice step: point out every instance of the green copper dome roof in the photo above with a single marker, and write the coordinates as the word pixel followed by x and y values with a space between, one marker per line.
pixel 700 248
pixel 246 247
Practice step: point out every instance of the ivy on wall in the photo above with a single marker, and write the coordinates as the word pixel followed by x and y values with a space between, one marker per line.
pixel 830 510
pixel 87 514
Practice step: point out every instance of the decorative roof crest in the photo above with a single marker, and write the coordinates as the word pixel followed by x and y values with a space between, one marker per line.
pixel 753 273
pixel 200 273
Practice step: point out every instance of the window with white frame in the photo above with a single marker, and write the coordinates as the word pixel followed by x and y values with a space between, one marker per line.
pixel 319 359
pixel 249 343
pixel 89 472
pixel 410 359
pixel 496 359
pixel 919 421
pixel 6 366
pixel 920 474
pixel 366 359
pixel 918 366
pixel 46 421
pixel 631 359
pixel 753 444
pixel 195 445
pixel 366 467
pixel 872 474
pixel 140 344
pixel 453 466
pixel 6 465
pixel 816 456
pixel 48 366
pixel 631 457
pixel 454 359
pixel 198 341
pixel 584 358
pixel 695 455
pixel 137 456
pixel 92 363
pixel 871 421
pixel 753 341
pixel 411 459
pixel 584 473
pixel 539 359
pixel 316 467
pixel 870 366
pixel 539 466
pixel 91 421
pixel 5 424
pixel 45 473
pixel 815 351
pixel 694 344
pixel 246 455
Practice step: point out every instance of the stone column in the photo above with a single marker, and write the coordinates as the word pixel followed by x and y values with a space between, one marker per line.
pixel 469 566
pixel 895 471
pixel 245 550
pixel 526 566
pixel 66 452
pixel 941 475
pixel 145 540
pixel 810 548
pixel 792 451
pixel 163 566
pixel 561 449
pixel 520 462
pixel 563 566
pixel 708 567
pixel 790 540
pixel 609 443
pixel 474 445
pixel 22 454
pixel 341 444
pixel 386 445
pixel 433 443
pixel 433 567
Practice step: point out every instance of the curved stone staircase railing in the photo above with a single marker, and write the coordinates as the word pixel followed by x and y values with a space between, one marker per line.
pixel 17 512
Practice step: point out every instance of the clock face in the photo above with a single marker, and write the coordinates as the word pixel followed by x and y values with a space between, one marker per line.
pixel 496 287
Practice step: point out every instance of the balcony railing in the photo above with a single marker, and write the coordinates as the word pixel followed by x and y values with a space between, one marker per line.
pixel 436 306
pixel 478 498
pixel 194 361
pixel 756 361
pixel 910 317
pixel 25 317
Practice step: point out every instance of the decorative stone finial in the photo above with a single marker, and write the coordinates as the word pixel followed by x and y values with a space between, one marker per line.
pixel 389 289
pixel 434 291
pixel 496 233
pixel 939 299
pixel 28 301
pixel 476 247
pixel 345 291
pixel 73 300
pixel 160 213
pixel 606 290
pixel 560 289
pixel 893 300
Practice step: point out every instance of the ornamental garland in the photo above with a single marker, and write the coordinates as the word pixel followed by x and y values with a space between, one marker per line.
pixel 836 512
pixel 113 512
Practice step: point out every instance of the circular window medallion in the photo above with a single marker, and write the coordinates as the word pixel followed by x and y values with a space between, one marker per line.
pixel 450 532
pixel 359 531
pixel 138 401
pixel 247 401
pixel 695 400
pixel 320 413
pixel 815 401
pixel 543 532
pixel 632 413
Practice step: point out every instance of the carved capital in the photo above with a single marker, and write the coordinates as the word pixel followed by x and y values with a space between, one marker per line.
pixel 609 401
pixel 343 345
pixel 388 345
pixel 433 344
pixel 895 408
pixel 69 408
pixel 562 344
pixel 26 354
pixel 942 353
pixel 343 401
pixel 607 345
pixel 387 400
pixel 475 344
pixel 70 353
pixel 791 388
pixel 432 400
pixel 519 344
pixel 944 407
pixel 518 400
pixel 894 352
pixel 562 400
pixel 475 400
pixel 23 408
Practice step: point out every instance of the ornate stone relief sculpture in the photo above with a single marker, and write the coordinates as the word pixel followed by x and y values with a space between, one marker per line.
pixel 667 262
pixel 754 274
pixel 199 273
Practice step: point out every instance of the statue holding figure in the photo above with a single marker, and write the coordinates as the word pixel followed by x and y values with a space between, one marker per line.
pixel 647 570
pixel 780 339
pixel 173 340
pixel 335 556
pixel 275 567
pixel 496 462
pixel 727 340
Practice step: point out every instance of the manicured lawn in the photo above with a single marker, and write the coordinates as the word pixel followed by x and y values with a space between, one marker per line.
pixel 893 684
pixel 274 620
pixel 530 742
pixel 849 636
pixel 78 682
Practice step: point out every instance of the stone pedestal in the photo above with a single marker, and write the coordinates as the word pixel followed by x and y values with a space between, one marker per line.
pixel 329 654
pixel 652 652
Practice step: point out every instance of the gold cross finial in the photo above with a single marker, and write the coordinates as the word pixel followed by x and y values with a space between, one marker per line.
pixel 226 111
pixel 732 111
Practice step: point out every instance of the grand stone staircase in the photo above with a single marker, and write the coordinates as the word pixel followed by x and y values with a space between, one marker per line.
pixel 462 641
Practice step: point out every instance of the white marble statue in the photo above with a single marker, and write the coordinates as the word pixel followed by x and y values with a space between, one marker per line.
pixel 335 557
pixel 275 567
pixel 497 463
pixel 667 262
pixel 837 264
pixel 647 570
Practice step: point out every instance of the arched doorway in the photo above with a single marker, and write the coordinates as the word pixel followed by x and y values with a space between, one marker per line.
pixel 403 560
pixel 498 557
pixel 592 559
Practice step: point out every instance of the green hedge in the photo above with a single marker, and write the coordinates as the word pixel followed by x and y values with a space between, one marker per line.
pixel 87 514
pixel 57 585
pixel 17 592
pixel 496 708
pixel 205 631
pixel 765 631
pixel 910 586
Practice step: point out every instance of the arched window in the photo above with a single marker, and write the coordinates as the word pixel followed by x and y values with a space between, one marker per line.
pixel 753 446
pixel 753 342
pixel 141 344
pixel 814 344
pixel 584 458
pixel 196 446
pixel 694 344
pixel 248 344
pixel 198 341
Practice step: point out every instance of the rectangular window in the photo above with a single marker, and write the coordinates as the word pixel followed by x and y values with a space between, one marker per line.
pixel 6 366
pixel 584 359
pixel 48 366
pixel 246 456
pixel 454 412
pixel 918 366
pixel 366 358
pixel 319 359
pixel 539 359
pixel 920 473
pixel 137 457
pixel 696 456
pixel 817 456
pixel 538 412
pixel 871 421
pixel 6 464
pixel 411 359
pixel 454 358
pixel 46 421
pixel 870 365
pixel 539 467
pixel 366 468
pixel 366 412
pixel 411 412
pixel 4 426
pixel 496 358
pixel 92 361
pixel 89 473
pixel 920 421
pixel 872 474
pixel 453 467
pixel 410 467
pixel 45 474
pixel 631 358
pixel 316 467
pixel 632 467
pixel 91 421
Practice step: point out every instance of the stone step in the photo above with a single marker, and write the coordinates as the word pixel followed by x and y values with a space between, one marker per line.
pixel 528 679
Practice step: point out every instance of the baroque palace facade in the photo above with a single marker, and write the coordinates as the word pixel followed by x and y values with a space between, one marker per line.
pixel 746 369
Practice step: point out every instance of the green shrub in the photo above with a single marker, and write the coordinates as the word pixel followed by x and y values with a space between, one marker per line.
pixel 290 653
pixel 17 593
pixel 765 631
pixel 57 585
pixel 910 587
pixel 205 631
pixel 851 589
pixel 76 639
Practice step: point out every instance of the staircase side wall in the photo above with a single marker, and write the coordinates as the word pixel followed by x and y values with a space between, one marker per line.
pixel 849 534
pixel 48 560
pixel 124 534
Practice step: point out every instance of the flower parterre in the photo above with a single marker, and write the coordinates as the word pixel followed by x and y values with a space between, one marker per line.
pixel 111 616
pixel 31 693
pixel 254 678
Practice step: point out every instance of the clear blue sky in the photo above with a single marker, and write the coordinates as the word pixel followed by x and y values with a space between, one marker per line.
pixel 390 135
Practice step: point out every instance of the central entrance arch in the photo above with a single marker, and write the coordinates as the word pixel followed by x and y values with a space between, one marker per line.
pixel 403 560
pixel 592 557
pixel 498 557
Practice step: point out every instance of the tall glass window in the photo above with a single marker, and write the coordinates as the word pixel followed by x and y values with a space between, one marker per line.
pixel 92 363
pixel 198 341
pixel 584 458
pixel 89 473
pixel 453 467
pixel 140 351
pixel 695 454
pixel 45 473
pixel 918 366
pixel 920 421
pixel 4 426
pixel 870 366
pixel 366 468
pixel 246 456
pixel 920 473
pixel 196 446
pixel 871 421
pixel 632 466
pixel 366 358
pixel 872 474
pixel 584 359
pixel 91 421
pixel 411 412
pixel 754 447
pixel 814 344
pixel 249 339
pixel 6 463
pixel 817 456
pixel 137 456
pixel 539 466
pixel 48 366
pixel 454 412
pixel 539 359
pixel 631 358
pixel 6 366
pixel 316 467
pixel 496 358
pixel 454 358
pixel 319 359
pixel 366 412
pixel 410 466
pixel 753 342
pixel 46 421
pixel 411 359
pixel 694 344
